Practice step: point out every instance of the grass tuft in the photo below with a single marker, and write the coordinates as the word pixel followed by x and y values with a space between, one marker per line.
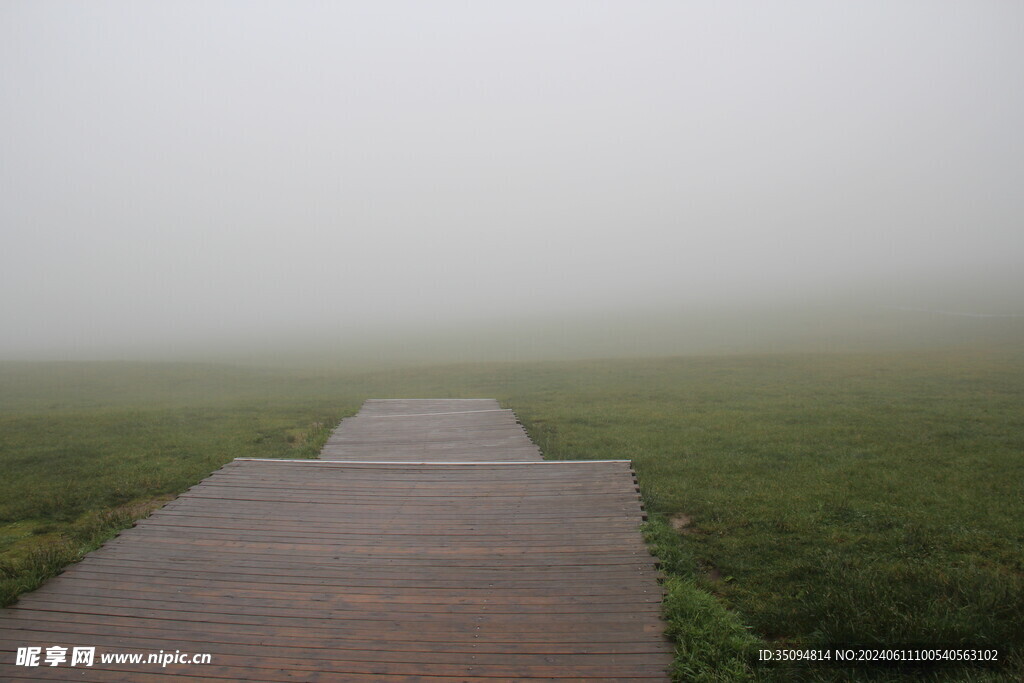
pixel 712 644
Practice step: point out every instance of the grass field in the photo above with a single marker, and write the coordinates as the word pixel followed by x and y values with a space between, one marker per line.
pixel 797 499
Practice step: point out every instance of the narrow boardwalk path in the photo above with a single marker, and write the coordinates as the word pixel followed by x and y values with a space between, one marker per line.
pixel 428 430
pixel 343 570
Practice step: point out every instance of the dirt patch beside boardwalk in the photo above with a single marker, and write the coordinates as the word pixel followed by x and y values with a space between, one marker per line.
pixel 682 523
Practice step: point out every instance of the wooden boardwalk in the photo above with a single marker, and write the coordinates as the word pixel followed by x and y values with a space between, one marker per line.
pixel 373 570
pixel 427 430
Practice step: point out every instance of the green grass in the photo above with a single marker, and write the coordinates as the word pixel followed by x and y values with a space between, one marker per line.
pixel 857 499
pixel 87 448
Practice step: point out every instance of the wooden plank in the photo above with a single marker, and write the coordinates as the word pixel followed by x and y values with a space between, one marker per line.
pixel 72 631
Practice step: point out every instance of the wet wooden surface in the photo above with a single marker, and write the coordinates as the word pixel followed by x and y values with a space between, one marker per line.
pixel 424 430
pixel 367 571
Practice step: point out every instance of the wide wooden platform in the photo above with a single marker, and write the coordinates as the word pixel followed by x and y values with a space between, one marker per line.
pixel 367 571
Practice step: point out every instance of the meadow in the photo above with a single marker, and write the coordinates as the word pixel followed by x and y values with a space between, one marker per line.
pixel 796 499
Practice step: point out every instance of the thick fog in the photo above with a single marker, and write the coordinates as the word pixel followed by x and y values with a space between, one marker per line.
pixel 174 174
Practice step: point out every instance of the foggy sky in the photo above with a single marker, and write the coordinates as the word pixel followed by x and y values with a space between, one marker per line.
pixel 175 171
